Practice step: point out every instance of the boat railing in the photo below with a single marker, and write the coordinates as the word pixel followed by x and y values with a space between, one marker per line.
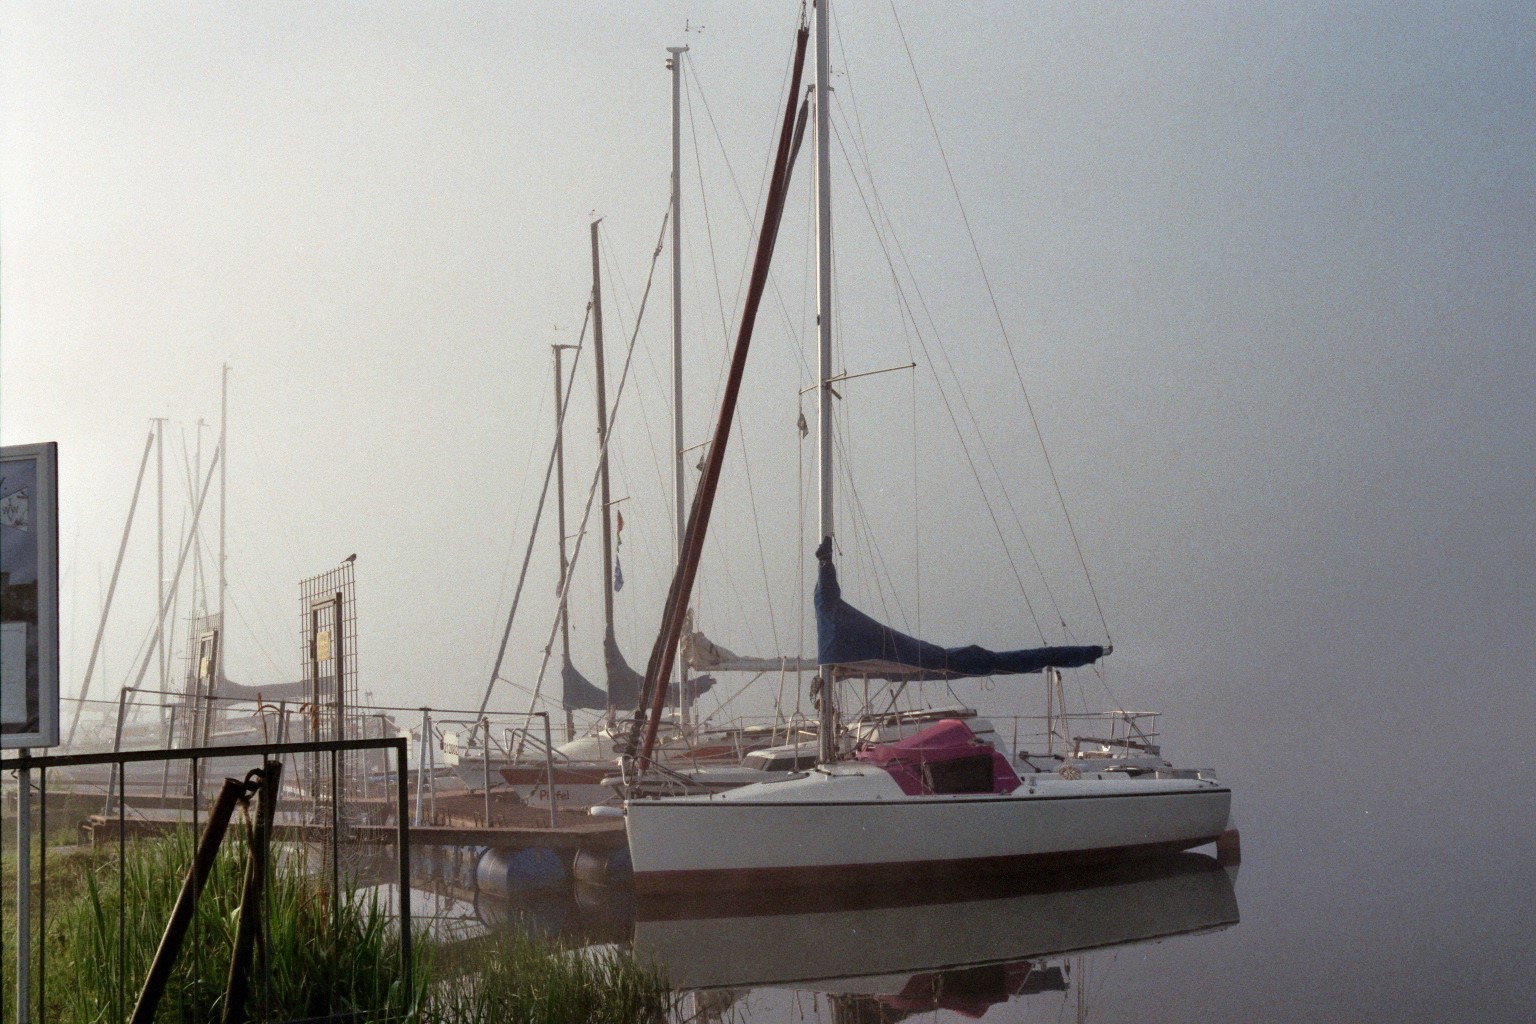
pixel 748 733
pixel 148 718
pixel 1083 734
pixel 499 736
pixel 660 779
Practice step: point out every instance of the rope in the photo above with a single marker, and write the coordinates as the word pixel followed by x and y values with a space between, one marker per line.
pixel 581 533
pixel 1002 326
pixel 789 322
pixel 950 411
pixel 725 327
pixel 533 534
pixel 620 290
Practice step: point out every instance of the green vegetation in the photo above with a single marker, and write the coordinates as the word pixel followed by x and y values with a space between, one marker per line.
pixel 528 981
pixel 313 965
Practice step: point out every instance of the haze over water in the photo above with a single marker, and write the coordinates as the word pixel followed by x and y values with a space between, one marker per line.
pixel 1265 268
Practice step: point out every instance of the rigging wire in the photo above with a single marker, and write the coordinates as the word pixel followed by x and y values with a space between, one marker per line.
pixel 981 435
pixel 581 534
pixel 740 424
pixel 789 321
pixel 698 167
pixel 235 604
pixel 1002 326
pixel 949 409
pixel 619 289
pixel 887 227
pixel 533 533
pixel 522 507
pixel 757 528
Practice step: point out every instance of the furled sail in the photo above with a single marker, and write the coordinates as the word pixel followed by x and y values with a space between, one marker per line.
pixel 702 654
pixel 624 683
pixel 578 691
pixel 298 689
pixel 857 645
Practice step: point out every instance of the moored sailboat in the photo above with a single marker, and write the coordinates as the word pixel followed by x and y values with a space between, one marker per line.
pixel 940 803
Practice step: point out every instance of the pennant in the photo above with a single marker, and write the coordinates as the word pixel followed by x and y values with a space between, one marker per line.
pixel 618 575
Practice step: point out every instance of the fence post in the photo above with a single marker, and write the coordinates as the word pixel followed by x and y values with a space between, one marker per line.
pixel 485 747
pixel 181 914
pixel 238 986
pixel 421 761
pixel 170 743
pixel 24 895
pixel 549 766
pixel 117 746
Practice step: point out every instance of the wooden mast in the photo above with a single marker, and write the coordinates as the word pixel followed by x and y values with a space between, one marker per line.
pixel 659 668
pixel 610 644
pixel 675 66
pixel 565 621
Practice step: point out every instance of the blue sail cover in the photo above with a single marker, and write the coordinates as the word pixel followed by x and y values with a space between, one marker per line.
pixel 857 645
pixel 624 683
pixel 578 691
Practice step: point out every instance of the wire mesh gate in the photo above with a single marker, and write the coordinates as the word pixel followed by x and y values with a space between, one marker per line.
pixel 339 858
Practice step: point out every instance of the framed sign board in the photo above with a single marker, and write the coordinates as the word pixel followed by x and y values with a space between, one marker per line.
pixel 29 596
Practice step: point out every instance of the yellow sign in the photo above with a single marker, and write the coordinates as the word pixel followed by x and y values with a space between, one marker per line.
pixel 323 645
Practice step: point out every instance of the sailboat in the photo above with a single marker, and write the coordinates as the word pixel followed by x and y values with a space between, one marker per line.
pixel 939 804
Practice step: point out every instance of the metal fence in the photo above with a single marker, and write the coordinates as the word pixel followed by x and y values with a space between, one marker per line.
pixel 69 852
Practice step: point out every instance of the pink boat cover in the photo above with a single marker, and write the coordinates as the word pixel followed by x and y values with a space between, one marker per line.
pixel 946 757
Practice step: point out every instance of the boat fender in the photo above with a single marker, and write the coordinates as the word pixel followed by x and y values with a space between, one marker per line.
pixel 535 868
pixel 605 811
pixel 603 867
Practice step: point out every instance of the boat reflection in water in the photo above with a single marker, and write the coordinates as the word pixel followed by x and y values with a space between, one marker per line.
pixel 878 960
pixel 863 956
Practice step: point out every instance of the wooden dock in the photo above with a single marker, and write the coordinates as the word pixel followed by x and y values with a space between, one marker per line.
pixel 459 819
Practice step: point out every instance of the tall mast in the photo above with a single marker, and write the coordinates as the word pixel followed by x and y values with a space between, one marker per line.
pixel 221 645
pixel 565 622
pixel 675 64
pixel 165 669
pixel 824 330
pixel 659 668
pixel 602 447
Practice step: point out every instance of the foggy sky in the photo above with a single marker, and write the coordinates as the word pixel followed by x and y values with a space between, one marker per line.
pixel 1266 270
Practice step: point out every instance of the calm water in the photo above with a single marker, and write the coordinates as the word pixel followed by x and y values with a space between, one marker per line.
pixel 1408 896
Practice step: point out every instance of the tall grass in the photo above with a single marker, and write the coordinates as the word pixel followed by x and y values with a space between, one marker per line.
pixel 102 942
pixel 525 980
pixel 320 956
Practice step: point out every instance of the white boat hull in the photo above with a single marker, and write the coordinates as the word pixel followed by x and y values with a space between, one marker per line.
pixel 853 825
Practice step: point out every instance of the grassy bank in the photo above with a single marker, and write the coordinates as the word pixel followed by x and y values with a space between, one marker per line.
pixel 106 917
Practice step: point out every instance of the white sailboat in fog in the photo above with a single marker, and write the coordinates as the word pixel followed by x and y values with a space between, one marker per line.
pixel 940 803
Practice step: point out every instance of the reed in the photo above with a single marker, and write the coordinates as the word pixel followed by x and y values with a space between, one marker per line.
pixel 105 924
pixel 525 980
pixel 101 942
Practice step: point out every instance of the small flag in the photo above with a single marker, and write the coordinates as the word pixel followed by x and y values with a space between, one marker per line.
pixel 618 575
